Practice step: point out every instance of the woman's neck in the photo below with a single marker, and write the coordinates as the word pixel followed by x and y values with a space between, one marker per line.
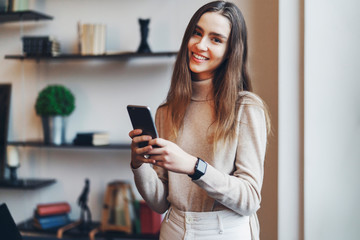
pixel 202 90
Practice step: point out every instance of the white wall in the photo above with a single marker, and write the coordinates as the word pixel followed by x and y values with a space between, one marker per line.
pixel 332 120
pixel 291 112
pixel 104 88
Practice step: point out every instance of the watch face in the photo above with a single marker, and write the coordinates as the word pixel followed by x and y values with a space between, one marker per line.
pixel 202 166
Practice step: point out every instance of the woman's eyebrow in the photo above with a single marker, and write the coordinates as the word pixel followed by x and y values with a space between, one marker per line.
pixel 197 27
pixel 212 33
pixel 218 35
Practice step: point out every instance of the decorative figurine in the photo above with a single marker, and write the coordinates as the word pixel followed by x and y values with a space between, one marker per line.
pixel 144 28
pixel 13 162
pixel 85 215
pixel 84 223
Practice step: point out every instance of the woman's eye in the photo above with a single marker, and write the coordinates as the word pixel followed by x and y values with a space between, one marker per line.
pixel 217 40
pixel 197 33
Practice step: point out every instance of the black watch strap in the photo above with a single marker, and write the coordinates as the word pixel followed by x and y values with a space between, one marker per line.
pixel 200 169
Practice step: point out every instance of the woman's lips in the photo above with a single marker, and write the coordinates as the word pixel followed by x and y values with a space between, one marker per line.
pixel 199 58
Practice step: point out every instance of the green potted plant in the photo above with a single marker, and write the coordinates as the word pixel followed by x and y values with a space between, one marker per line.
pixel 54 104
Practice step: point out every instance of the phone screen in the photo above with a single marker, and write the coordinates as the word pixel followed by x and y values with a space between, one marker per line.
pixel 141 118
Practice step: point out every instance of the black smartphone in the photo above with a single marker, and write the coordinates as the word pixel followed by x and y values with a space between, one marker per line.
pixel 141 118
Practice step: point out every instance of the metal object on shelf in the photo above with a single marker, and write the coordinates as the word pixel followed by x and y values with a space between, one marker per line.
pixel 54 129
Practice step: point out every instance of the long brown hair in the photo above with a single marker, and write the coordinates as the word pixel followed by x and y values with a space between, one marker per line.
pixel 230 77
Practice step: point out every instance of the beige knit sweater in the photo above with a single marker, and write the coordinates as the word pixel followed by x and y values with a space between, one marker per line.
pixel 234 176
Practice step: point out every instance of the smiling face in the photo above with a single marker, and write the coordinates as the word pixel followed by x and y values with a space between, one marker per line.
pixel 208 44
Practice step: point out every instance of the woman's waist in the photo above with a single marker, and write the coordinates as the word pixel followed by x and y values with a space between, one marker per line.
pixel 227 216
pixel 197 204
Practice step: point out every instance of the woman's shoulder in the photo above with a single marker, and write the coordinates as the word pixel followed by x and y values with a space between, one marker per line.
pixel 250 98
pixel 162 111
pixel 163 108
pixel 252 104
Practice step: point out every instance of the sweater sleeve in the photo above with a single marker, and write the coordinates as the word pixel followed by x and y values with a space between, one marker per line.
pixel 153 189
pixel 240 191
pixel 152 182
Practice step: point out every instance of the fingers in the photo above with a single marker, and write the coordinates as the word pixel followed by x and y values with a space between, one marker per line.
pixel 159 164
pixel 159 149
pixel 143 151
pixel 158 156
pixel 135 132
pixel 155 151
pixel 159 142
pixel 142 138
pixel 145 158
pixel 152 153
pixel 138 160
pixel 138 138
pixel 140 156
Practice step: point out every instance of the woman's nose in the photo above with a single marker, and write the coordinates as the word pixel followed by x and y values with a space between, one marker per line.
pixel 202 45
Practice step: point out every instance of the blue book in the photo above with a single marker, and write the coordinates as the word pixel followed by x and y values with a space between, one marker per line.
pixel 51 221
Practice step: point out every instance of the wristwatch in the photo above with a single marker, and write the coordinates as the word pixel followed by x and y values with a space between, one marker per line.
pixel 200 169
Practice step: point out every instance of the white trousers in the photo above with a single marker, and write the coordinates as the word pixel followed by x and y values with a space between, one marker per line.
pixel 218 225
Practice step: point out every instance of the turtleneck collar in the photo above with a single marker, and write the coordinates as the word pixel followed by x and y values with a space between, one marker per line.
pixel 202 90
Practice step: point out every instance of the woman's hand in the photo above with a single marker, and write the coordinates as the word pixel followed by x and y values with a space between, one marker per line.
pixel 138 154
pixel 170 156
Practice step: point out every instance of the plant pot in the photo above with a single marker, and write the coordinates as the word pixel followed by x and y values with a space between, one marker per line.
pixel 54 129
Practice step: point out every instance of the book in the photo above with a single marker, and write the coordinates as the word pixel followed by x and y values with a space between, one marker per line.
pixel 40 46
pixel 91 38
pixel 136 221
pixel 92 139
pixel 52 221
pixel 52 208
pixel 18 5
pixel 150 221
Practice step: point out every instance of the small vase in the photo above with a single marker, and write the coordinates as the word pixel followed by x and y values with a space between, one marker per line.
pixel 54 129
pixel 144 30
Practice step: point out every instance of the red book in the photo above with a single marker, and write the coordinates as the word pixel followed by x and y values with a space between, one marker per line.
pixel 52 208
pixel 150 221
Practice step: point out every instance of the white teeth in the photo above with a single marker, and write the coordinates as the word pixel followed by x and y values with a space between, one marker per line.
pixel 198 57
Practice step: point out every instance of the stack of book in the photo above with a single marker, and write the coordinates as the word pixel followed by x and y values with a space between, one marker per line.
pixel 40 46
pixel 92 139
pixel 51 215
pixel 92 38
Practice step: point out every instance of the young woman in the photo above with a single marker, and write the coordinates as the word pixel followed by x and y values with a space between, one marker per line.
pixel 207 167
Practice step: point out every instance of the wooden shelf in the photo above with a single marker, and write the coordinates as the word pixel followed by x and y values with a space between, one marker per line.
pixel 30 183
pixel 23 16
pixel 119 56
pixel 40 144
